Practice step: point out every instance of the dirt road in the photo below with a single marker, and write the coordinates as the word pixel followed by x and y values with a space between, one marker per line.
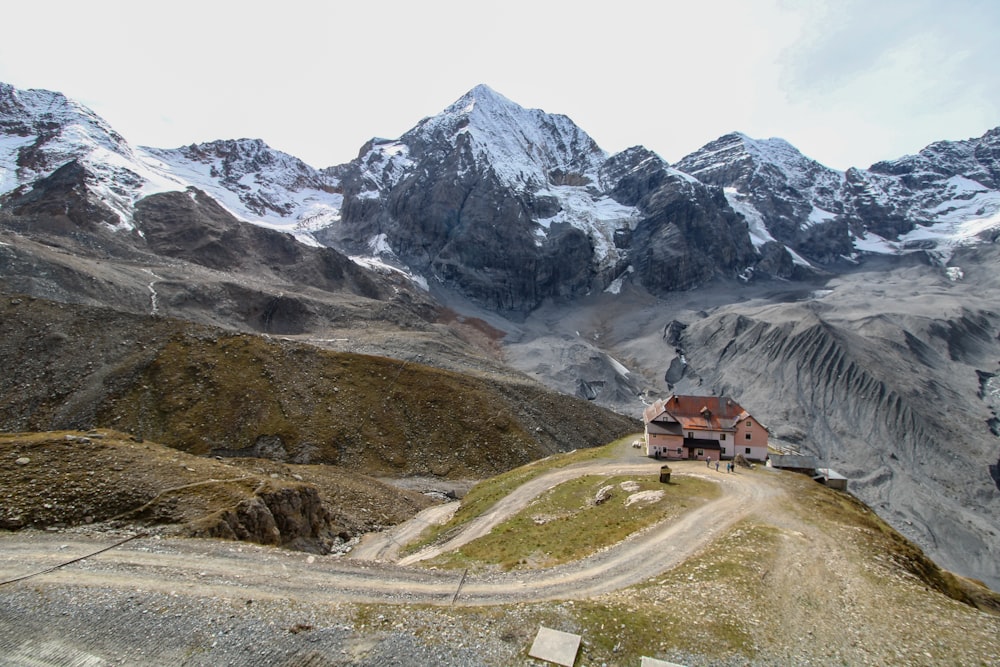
pixel 242 570
pixel 832 595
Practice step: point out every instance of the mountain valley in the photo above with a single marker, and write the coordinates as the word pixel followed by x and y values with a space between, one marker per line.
pixel 538 289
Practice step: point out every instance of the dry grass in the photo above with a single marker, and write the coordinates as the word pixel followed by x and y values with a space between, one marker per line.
pixel 73 478
pixel 488 492
pixel 206 390
pixel 565 524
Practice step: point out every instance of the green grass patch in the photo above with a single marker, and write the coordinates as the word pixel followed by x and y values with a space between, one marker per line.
pixel 566 524
pixel 489 492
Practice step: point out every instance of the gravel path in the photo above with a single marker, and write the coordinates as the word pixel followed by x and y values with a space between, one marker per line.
pixel 169 601
pixel 237 569
pixel 208 602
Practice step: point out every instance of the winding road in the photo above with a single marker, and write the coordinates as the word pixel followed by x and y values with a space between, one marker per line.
pixel 245 570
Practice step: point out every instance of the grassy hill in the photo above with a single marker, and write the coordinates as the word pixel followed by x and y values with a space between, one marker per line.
pixel 210 391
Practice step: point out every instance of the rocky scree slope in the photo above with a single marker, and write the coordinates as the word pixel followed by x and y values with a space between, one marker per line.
pixel 899 394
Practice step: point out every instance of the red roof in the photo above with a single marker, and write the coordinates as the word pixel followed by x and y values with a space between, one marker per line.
pixel 702 413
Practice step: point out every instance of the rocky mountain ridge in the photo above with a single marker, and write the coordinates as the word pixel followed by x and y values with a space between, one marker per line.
pixel 511 206
pixel 943 197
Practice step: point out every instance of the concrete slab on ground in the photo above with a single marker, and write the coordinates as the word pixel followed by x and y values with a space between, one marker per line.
pixel 653 662
pixel 555 646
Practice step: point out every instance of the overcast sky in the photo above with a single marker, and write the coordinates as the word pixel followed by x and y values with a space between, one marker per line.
pixel 847 82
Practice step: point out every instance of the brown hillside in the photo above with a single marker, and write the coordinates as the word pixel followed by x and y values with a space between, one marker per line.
pixel 69 478
pixel 208 391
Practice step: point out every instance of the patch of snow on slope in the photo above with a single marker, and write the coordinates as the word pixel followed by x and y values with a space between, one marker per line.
pixel 597 218
pixel 380 266
pixel 759 234
pixel 616 285
pixel 9 148
pixel 379 245
pixel 619 367
pixel 818 216
pixel 873 243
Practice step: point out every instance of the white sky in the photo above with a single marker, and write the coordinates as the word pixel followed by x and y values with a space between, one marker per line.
pixel 848 82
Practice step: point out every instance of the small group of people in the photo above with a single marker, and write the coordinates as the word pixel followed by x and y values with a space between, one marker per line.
pixel 730 466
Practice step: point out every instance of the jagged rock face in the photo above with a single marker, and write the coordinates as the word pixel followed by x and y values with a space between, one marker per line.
pixel 821 213
pixel 514 206
pixel 789 190
pixel 688 234
pixel 294 517
pixel 775 260
pixel 633 175
pixel 879 203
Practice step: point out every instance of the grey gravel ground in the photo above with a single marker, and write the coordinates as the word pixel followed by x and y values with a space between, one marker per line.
pixel 52 626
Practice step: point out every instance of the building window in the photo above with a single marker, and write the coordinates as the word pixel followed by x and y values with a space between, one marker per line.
pixel 748 436
pixel 691 435
pixel 749 423
pixel 722 437
pixel 748 450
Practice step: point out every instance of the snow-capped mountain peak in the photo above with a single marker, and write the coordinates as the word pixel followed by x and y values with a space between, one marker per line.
pixel 525 148
pixel 735 159
pixel 41 131
pixel 257 183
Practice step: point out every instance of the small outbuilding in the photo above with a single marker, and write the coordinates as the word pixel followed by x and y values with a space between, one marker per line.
pixel 831 478
pixel 799 463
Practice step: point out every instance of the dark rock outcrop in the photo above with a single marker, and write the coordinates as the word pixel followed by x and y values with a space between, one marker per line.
pixel 192 226
pixel 290 516
pixel 61 201
pixel 688 235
